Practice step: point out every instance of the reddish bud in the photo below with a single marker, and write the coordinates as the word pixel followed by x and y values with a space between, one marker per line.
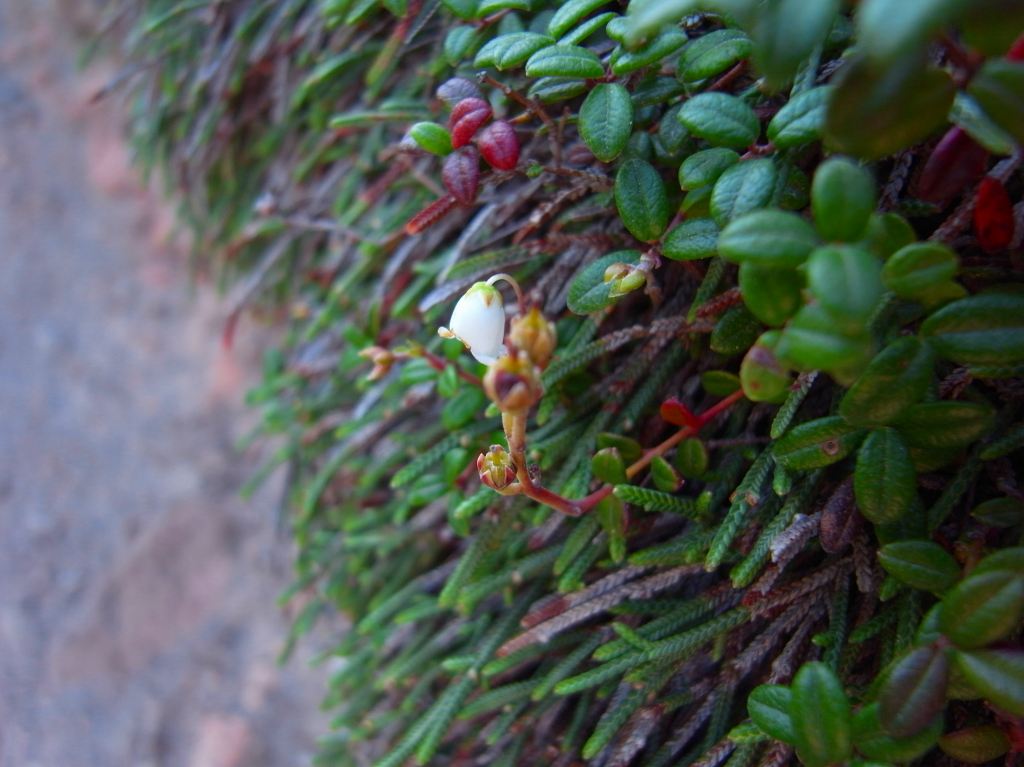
pixel 457 89
pixel 678 414
pixel 993 215
pixel 956 162
pixel 461 175
pixel 499 145
pixel 430 215
pixel 466 119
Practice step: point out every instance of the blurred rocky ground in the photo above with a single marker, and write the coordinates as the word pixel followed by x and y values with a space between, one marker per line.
pixel 137 617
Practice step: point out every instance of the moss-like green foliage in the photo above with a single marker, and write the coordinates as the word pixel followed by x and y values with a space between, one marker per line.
pixel 779 383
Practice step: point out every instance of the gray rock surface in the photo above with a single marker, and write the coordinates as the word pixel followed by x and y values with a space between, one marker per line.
pixel 137 615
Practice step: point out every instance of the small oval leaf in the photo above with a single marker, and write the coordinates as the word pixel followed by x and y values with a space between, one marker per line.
pixel 606 120
pixel 641 200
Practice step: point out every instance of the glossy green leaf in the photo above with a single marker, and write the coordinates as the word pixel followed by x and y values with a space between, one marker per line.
pixel 975 745
pixel 432 138
pixel 693 239
pixel 465 406
pixel 889 29
pixel 608 466
pixel 786 33
pixel 847 282
pixel 874 113
pixel 712 54
pixel 884 480
pixel 463 9
pixel 842 198
pixel 812 341
pixel 664 475
pixel 553 89
pixel 742 188
pixel 999 90
pixel 769 707
pixel 821 716
pixel 571 13
pixel 624 62
pixel 629 448
pixel 983 609
pixel 510 50
pixel 998 675
pixel 641 200
pixel 489 7
pixel 894 380
pixel 914 693
pixel 459 42
pixel 944 424
pixel 986 329
pixel 763 378
pixel 802 120
pixel 721 119
pixel 735 331
pixel 692 458
pixel 770 238
pixel 704 167
pixel 871 739
pixel 999 512
pixel 771 295
pixel 564 61
pixel 922 565
pixel 919 272
pixel 817 443
pixel 606 120
pixel 588 291
pixel 587 29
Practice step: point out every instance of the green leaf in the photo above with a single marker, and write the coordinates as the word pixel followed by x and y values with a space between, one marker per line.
pixel 611 513
pixel 467 405
pixel 510 50
pixel 771 295
pixel 763 378
pixel 998 675
pixel 712 54
pixel 914 693
pixel 894 380
pixel 564 61
pixel 842 198
pixel 692 458
pixel 742 188
pixel 983 609
pixel 721 120
pixel 871 739
pixel 889 29
pixel 986 329
pixel 945 424
pixel 846 281
pixel 884 480
pixel 458 42
pixel 641 200
pixel 607 465
pixel 821 716
pixel 887 233
pixel 693 239
pixel 802 120
pixel 769 706
pixel 734 332
pixel 588 291
pixel 975 745
pixel 874 113
pixel 488 7
pixel 664 476
pixel 432 138
pixel 552 89
pixel 920 271
pixel 922 565
pixel 570 14
pixel 704 167
pixel 584 31
pixel 1011 559
pixel 606 120
pixel 812 341
pixel 463 9
pixel 817 443
pixel 769 238
pixel 999 90
pixel 786 33
pixel 969 115
pixel 624 62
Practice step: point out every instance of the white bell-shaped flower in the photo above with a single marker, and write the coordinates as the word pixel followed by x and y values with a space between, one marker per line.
pixel 478 320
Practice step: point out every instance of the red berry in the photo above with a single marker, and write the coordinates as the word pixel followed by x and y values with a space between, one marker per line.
pixel 466 119
pixel 452 91
pixel 461 175
pixel 499 145
pixel 993 215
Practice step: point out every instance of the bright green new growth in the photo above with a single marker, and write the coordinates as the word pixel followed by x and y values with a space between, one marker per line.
pixel 785 395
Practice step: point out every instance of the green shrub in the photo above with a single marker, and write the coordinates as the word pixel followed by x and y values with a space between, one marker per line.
pixel 761 499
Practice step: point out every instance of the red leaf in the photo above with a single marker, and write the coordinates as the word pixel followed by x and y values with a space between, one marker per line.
pixel 955 164
pixel 461 175
pixel 499 145
pixel 993 215
pixel 430 215
pixel 678 414
pixel 466 119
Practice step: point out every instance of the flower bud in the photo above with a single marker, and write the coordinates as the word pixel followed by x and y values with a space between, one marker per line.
pixel 382 361
pixel 496 468
pixel 512 384
pixel 623 279
pixel 478 321
pixel 535 335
